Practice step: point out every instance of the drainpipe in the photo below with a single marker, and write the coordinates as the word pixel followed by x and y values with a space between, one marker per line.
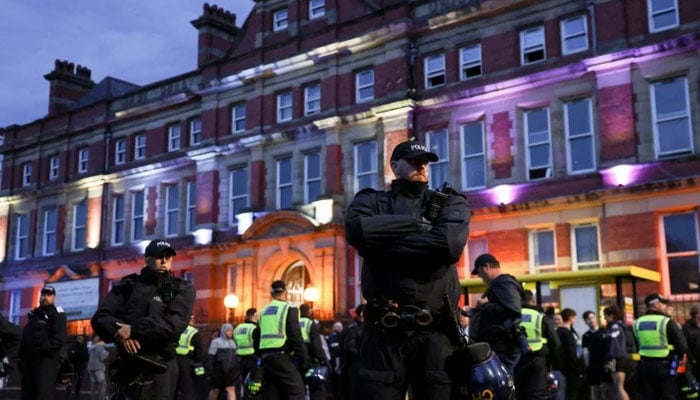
pixel 594 38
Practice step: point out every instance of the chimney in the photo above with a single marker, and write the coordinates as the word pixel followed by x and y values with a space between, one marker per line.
pixel 217 32
pixel 68 84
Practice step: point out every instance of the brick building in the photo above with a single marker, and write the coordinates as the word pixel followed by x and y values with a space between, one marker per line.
pixel 570 125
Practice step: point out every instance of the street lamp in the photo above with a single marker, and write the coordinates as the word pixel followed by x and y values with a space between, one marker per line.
pixel 311 294
pixel 231 302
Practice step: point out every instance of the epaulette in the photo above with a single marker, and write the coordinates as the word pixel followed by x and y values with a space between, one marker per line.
pixel 59 309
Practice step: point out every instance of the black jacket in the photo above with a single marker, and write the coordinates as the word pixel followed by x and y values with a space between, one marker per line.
pixel 156 305
pixel 407 258
pixel 491 322
pixel 44 334
pixel 691 331
pixel 10 336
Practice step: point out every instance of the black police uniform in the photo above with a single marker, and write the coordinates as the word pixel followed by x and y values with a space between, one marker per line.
pixel 407 261
pixel 317 356
pixel 10 336
pixel 39 353
pixel 190 383
pixel 351 362
pixel 158 308
pixel 533 366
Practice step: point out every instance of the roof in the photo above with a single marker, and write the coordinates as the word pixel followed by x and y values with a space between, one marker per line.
pixel 108 88
pixel 599 276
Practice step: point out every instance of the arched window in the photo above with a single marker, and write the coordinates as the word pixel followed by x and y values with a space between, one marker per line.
pixel 297 279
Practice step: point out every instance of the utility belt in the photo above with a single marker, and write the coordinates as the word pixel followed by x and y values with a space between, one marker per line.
pixel 390 316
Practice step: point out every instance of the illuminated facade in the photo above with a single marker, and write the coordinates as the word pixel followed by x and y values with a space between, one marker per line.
pixel 571 126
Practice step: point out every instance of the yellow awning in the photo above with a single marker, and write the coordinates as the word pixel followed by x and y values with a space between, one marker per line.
pixel 599 276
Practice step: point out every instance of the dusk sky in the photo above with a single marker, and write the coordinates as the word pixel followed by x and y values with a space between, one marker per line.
pixel 133 40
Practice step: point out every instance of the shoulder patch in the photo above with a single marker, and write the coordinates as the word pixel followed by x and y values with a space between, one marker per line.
pixel 59 309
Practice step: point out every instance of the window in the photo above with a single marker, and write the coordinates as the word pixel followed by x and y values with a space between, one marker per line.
pixel 54 164
pixel 83 155
pixel 663 15
pixel 470 61
pixel 279 20
pixel 580 146
pixel 120 151
pixel 49 239
pixel 434 71
pixel 284 106
pixel 680 234
pixel 316 8
pixel 174 137
pixel 15 306
pixel 538 143
pixel 364 86
pixel 474 155
pixel 312 176
pixel 585 249
pixel 365 165
pixel 284 183
pixel 312 99
pixel 440 169
pixel 26 174
pixel 140 147
pixel 239 193
pixel 238 118
pixel 532 46
pixel 191 206
pixel 118 220
pixel 195 132
pixel 542 251
pixel 574 35
pixel 21 237
pixel 172 210
pixel 671 117
pixel 138 206
pixel 79 225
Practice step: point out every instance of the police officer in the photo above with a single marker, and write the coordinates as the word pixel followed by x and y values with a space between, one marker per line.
pixel 281 348
pixel 243 335
pixel 190 356
pixel 311 334
pixel 145 314
pixel 496 316
pixel 661 346
pixel 409 238
pixel 543 347
pixel 39 353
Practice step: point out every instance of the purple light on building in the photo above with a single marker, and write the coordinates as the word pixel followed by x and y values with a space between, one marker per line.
pixel 503 194
pixel 621 175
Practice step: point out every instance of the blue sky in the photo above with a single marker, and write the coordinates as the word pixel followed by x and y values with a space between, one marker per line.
pixel 134 40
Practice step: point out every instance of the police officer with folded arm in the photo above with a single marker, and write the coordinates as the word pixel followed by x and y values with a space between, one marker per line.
pixel 145 314
pixel 282 351
pixel 409 238
pixel 39 352
pixel 661 346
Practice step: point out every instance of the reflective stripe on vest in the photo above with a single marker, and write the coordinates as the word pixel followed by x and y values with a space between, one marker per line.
pixel 184 346
pixel 305 324
pixel 273 324
pixel 243 335
pixel 531 321
pixel 651 332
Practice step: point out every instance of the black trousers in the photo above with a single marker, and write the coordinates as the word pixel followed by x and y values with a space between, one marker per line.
pixel 655 381
pixel 186 388
pixel 393 360
pixel 39 378
pixel 163 384
pixel 531 377
pixel 281 379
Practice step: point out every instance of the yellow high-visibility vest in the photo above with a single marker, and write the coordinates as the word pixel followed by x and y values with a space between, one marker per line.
pixel 273 325
pixel 184 345
pixel 650 331
pixel 531 321
pixel 243 335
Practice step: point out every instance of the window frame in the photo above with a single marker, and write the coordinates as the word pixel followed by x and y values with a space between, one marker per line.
pixel 27 174
pixel 534 48
pixel 439 71
pixel 443 161
pixel 565 37
pixel 54 167
pixel 309 180
pixel 83 160
pixel 576 265
pixel 21 236
pixel 528 146
pixel 466 64
pixel 372 174
pixel 284 109
pixel 309 100
pixel 283 187
pixel 49 236
pixel 233 198
pixel 75 246
pixel 570 138
pixel 172 228
pixel 666 256
pixel 465 157
pixel 236 120
pixel 174 137
pixel 195 131
pixel 314 8
pixel 120 151
pixel 534 256
pixel 118 222
pixel 655 120
pixel 280 20
pixel 191 212
pixel 136 218
pixel 359 88
pixel 651 14
pixel 140 148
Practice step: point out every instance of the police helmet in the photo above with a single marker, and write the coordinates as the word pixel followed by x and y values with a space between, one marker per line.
pixel 477 373
pixel 253 384
pixel 317 374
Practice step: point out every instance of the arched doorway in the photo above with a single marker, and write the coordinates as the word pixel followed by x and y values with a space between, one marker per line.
pixel 297 279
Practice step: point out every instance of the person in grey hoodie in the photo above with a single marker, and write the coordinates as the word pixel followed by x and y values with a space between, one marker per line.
pixel 96 368
pixel 223 364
